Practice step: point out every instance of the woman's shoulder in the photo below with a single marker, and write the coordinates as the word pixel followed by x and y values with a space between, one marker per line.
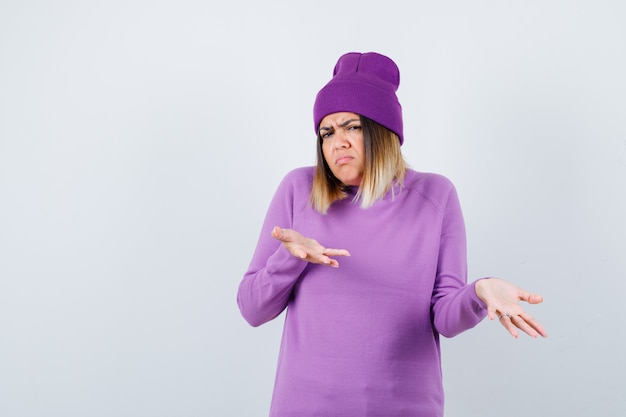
pixel 297 182
pixel 427 180
pixel 432 186
pixel 299 176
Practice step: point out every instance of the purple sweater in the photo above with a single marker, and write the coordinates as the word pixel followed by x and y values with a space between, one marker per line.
pixel 363 339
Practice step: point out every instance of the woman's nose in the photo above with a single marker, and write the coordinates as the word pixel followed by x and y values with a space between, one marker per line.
pixel 341 139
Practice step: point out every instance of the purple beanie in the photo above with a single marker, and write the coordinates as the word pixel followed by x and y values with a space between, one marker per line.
pixel 364 84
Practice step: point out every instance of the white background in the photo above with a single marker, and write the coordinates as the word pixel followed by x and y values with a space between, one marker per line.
pixel 141 141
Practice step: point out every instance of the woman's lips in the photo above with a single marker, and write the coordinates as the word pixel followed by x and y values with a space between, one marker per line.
pixel 343 160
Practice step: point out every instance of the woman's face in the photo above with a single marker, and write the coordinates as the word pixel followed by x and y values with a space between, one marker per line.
pixel 342 146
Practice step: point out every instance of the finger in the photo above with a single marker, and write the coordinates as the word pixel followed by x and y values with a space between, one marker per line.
pixel 534 324
pixel 524 326
pixel 332 262
pixel 529 297
pixel 506 321
pixel 279 233
pixel 336 252
pixel 325 260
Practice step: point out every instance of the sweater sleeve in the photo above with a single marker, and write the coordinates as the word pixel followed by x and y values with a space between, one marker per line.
pixel 267 284
pixel 455 305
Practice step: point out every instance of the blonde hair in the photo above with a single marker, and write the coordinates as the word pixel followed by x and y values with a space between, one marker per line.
pixel 384 164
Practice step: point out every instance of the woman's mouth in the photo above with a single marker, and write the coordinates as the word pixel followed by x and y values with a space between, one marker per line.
pixel 343 160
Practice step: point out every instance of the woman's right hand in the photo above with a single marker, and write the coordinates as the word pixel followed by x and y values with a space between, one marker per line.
pixel 307 249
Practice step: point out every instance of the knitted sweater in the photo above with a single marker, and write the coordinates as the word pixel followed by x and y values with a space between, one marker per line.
pixel 363 339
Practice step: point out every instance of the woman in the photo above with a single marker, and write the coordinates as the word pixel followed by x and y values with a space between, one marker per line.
pixel 362 327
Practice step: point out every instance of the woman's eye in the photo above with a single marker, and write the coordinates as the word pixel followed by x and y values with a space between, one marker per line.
pixel 326 135
pixel 355 127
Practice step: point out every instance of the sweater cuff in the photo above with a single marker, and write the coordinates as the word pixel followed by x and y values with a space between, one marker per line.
pixel 282 262
pixel 480 304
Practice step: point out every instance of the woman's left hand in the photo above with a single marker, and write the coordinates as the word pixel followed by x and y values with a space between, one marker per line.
pixel 502 299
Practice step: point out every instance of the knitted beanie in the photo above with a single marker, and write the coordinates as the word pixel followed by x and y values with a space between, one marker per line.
pixel 365 84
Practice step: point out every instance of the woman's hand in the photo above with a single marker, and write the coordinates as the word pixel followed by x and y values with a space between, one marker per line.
pixel 307 249
pixel 502 299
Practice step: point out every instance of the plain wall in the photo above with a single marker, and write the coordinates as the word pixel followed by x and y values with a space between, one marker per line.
pixel 141 141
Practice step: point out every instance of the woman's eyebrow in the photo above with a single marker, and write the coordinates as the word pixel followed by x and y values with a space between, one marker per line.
pixel 344 124
pixel 347 122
